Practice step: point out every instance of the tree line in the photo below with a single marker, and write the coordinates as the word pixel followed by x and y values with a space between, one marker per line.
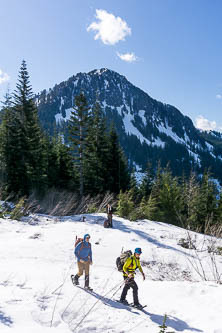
pixel 193 202
pixel 31 160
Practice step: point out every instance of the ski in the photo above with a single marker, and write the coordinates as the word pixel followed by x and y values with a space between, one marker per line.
pixel 85 289
pixel 138 308
pixel 131 305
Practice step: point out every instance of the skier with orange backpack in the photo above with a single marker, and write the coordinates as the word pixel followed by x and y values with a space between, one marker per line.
pixel 83 252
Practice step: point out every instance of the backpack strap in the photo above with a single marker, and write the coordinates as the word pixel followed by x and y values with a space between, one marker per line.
pixel 132 257
pixel 82 246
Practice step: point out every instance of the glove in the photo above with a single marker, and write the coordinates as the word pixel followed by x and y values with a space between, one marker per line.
pixel 143 276
pixel 130 275
pixel 82 261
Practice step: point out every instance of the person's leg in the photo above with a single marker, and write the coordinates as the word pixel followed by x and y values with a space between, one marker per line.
pixel 80 272
pixel 135 292
pixel 124 292
pixel 86 266
pixel 111 220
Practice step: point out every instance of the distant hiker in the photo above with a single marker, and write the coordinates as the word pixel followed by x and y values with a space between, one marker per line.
pixel 109 212
pixel 131 264
pixel 83 252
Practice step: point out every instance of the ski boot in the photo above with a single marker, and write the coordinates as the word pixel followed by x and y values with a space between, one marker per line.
pixel 87 283
pixel 138 306
pixel 75 279
pixel 124 301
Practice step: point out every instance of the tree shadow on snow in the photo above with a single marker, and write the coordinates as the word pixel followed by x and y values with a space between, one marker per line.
pixel 5 319
pixel 172 322
pixel 122 227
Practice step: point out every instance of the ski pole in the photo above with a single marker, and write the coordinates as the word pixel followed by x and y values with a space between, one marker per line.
pixel 125 281
pixel 56 289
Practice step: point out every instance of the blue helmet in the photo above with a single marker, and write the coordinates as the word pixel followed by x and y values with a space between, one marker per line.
pixel 138 250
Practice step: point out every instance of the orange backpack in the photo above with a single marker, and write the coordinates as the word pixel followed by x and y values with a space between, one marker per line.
pixel 78 240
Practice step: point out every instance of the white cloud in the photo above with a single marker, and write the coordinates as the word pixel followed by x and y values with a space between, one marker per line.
pixel 129 57
pixel 3 77
pixel 205 124
pixel 218 96
pixel 109 28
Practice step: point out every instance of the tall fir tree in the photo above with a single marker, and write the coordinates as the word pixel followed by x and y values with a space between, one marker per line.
pixel 32 163
pixel 118 177
pixel 207 203
pixel 5 135
pixel 60 168
pixel 147 182
pixel 22 141
pixel 96 152
pixel 78 132
pixel 134 189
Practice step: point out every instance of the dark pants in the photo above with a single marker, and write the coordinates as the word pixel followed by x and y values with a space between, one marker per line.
pixel 110 219
pixel 130 284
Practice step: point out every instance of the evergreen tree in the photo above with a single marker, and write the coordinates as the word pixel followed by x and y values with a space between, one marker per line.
pixel 30 139
pixel 5 134
pixel 151 209
pixel 15 179
pixel 78 132
pixel 116 165
pixel 60 168
pixel 21 140
pixel 96 152
pixel 125 205
pixel 219 210
pixel 147 182
pixel 207 203
pixel 134 190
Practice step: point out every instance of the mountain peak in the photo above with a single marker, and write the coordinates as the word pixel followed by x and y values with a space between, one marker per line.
pixel 99 71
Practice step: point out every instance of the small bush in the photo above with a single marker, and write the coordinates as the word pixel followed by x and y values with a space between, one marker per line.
pixel 187 243
pixel 92 209
pixel 163 326
pixel 19 210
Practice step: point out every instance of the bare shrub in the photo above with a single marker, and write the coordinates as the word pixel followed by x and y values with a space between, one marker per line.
pixel 166 271
pixel 210 246
pixel 62 203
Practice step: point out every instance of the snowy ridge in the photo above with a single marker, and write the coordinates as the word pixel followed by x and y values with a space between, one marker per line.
pixel 37 294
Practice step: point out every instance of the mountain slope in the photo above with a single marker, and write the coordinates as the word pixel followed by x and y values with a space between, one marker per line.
pixel 37 261
pixel 148 129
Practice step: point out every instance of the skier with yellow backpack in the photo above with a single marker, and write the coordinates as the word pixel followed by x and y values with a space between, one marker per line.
pixel 129 267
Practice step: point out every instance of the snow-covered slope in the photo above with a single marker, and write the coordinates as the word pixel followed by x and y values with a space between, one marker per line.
pixel 36 293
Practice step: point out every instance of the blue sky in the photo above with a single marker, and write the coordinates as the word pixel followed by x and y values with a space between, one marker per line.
pixel 172 49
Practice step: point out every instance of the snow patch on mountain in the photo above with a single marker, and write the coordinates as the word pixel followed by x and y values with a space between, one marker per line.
pixel 195 156
pixel 61 103
pixel 169 132
pixel 59 117
pixel 141 113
